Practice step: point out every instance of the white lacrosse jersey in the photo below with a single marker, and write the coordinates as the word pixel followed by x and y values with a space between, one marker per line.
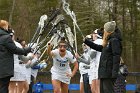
pixel 93 72
pixel 19 69
pixel 82 68
pixel 61 64
pixel 16 59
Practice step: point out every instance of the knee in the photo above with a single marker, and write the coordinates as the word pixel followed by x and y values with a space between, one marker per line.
pixel 56 90
pixel 92 89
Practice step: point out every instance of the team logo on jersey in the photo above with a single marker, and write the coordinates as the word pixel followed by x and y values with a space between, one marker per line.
pixel 62 61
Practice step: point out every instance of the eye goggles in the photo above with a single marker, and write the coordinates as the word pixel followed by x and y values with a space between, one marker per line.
pixel 64 46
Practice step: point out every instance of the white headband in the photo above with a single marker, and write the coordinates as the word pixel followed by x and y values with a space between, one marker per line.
pixel 97 33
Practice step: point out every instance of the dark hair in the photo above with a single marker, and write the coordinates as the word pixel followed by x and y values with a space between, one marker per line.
pixel 62 40
pixel 100 31
pixel 11 31
pixel 20 40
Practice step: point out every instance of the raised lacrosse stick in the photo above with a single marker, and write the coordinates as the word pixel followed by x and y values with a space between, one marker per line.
pixel 39 30
pixel 72 15
pixel 57 37
pixel 56 22
pixel 38 61
pixel 58 19
pixel 42 26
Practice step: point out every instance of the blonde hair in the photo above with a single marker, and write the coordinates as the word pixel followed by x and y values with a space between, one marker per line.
pixel 105 38
pixel 4 24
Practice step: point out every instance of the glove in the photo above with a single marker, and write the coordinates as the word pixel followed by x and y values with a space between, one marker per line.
pixel 43 65
pixel 40 66
pixel 36 67
pixel 35 61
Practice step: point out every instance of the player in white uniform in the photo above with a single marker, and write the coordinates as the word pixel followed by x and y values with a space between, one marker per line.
pixel 18 81
pixel 94 65
pixel 94 62
pixel 83 68
pixel 61 71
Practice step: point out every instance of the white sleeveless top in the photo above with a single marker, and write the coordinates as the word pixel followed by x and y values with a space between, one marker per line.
pixel 61 64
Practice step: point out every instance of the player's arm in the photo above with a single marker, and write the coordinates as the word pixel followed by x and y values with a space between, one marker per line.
pixel 49 50
pixel 75 68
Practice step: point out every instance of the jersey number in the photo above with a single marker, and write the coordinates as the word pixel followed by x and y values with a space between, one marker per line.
pixel 62 65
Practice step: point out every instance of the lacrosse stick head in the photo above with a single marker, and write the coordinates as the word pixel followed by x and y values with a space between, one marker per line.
pixel 53 13
pixel 66 7
pixel 52 32
pixel 42 20
pixel 58 19
pixel 34 47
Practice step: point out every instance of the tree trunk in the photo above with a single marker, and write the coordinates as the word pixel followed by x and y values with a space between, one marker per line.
pixel 114 14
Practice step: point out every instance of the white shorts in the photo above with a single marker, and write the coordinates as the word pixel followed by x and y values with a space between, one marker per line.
pixel 18 77
pixel 61 78
pixel 93 73
pixel 93 77
pixel 19 73
pixel 28 75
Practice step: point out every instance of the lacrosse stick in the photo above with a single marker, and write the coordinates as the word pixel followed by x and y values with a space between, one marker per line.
pixel 52 17
pixel 59 18
pixel 72 15
pixel 56 39
pixel 38 60
pixel 39 30
pixel 41 24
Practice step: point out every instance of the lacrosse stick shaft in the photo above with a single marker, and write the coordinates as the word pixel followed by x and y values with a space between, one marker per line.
pixel 41 42
pixel 47 43
pixel 53 15
pixel 59 18
pixel 72 15
pixel 35 34
pixel 39 29
pixel 75 38
pixel 38 36
pixel 45 49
